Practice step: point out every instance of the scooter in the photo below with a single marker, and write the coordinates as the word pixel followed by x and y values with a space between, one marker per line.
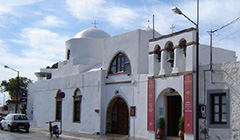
pixel 53 129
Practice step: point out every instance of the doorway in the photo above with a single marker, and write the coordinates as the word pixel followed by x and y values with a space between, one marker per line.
pixel 174 112
pixel 118 116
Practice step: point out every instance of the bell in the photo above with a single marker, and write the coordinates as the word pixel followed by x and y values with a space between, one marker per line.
pixel 170 57
pixel 159 57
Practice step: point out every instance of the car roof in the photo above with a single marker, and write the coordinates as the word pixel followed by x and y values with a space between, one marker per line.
pixel 16 114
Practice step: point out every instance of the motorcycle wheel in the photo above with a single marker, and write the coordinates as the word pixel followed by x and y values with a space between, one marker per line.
pixel 51 134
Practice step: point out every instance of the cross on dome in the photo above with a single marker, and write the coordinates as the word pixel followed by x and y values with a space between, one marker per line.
pixel 95 23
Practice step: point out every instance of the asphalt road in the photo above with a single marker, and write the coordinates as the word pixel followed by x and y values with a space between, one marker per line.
pixel 32 135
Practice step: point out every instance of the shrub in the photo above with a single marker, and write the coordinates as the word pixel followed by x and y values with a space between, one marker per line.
pixel 181 123
pixel 161 123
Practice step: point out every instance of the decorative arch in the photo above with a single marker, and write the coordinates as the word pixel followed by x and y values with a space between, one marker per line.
pixel 77 100
pixel 183 45
pixel 157 52
pixel 117 117
pixel 169 105
pixel 120 64
pixel 58 113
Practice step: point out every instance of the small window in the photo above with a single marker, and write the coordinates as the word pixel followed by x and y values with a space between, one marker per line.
pixel 68 54
pixel 77 106
pixel 218 109
pixel 58 107
pixel 120 64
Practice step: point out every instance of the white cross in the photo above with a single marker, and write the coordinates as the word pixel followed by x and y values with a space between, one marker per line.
pixel 172 28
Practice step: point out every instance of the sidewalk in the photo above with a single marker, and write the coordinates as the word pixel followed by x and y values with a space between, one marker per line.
pixel 84 136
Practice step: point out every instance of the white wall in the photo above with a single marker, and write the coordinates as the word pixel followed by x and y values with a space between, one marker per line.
pixel 44 94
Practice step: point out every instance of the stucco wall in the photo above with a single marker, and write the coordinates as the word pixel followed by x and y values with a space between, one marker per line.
pixel 225 77
pixel 43 101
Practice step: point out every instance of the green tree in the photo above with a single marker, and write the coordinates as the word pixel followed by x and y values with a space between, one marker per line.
pixel 10 86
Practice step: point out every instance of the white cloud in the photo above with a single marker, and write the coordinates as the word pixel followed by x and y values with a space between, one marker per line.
pixel 43 44
pixel 121 17
pixel 117 16
pixel 52 21
pixel 8 5
pixel 42 48
pixel 87 9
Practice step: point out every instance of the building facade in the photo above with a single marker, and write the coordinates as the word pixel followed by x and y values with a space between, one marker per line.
pixel 123 84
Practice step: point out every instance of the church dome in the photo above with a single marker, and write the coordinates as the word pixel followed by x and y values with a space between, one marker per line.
pixel 149 29
pixel 92 33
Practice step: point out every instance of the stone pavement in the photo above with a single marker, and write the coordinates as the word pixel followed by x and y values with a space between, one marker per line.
pixel 84 136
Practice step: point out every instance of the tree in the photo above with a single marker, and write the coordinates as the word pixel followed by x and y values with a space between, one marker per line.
pixel 10 86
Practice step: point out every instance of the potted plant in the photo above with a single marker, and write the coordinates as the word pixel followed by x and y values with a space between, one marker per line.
pixel 181 127
pixel 160 130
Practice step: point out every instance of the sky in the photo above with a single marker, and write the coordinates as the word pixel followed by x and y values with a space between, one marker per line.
pixel 33 32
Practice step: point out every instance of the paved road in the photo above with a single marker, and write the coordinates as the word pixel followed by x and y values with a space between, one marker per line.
pixel 42 134
pixel 32 135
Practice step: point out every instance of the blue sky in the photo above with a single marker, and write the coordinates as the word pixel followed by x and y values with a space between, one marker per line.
pixel 33 32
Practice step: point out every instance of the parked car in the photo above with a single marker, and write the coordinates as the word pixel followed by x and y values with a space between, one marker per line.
pixel 15 122
pixel 1 121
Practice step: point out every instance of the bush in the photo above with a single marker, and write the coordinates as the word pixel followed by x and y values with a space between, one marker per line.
pixel 23 109
pixel 161 123
pixel 181 123
pixel 5 108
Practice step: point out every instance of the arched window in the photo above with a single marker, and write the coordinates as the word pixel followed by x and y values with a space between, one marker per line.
pixel 157 51
pixel 120 64
pixel 170 51
pixel 58 114
pixel 68 54
pixel 183 45
pixel 77 106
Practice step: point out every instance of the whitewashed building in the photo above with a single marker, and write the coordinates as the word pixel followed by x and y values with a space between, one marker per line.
pixel 123 84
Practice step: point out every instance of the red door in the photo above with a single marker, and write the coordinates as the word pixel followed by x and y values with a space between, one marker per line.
pixel 120 115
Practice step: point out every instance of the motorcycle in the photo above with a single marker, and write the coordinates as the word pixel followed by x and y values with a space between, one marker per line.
pixel 53 130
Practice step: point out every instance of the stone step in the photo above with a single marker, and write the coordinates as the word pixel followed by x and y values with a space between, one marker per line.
pixel 172 138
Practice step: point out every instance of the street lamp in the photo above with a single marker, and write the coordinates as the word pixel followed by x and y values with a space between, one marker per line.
pixel 17 93
pixel 178 11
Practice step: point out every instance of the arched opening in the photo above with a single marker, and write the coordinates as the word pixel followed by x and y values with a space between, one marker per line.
pixel 117 117
pixel 157 52
pixel 77 98
pixel 170 50
pixel 169 107
pixel 183 45
pixel 120 64
pixel 58 113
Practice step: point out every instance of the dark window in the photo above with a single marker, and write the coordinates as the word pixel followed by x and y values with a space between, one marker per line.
pixel 77 106
pixel 58 109
pixel 68 54
pixel 219 108
pixel 120 64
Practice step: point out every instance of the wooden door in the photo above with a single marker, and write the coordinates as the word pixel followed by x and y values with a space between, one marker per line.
pixel 174 105
pixel 120 118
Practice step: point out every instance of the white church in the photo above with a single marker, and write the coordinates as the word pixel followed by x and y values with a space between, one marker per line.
pixel 123 84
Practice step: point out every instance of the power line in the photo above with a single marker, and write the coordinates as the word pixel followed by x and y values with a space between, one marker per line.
pixel 234 21
pixel 226 37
